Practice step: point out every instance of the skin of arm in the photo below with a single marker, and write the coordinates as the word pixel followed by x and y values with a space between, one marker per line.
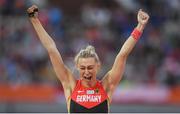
pixel 112 78
pixel 63 73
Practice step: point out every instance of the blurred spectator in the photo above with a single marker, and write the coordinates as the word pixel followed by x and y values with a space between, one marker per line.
pixel 155 60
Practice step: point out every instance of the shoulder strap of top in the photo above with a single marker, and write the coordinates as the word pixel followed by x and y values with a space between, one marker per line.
pixel 78 84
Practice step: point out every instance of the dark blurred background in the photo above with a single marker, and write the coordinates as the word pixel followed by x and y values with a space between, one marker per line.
pixel 151 82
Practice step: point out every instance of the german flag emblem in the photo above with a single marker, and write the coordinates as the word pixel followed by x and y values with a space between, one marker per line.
pixel 96 90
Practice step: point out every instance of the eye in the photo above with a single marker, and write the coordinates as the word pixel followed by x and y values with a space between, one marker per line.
pixel 82 68
pixel 90 68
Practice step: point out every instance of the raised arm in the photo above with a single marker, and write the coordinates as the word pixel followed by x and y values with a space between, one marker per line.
pixel 112 78
pixel 62 72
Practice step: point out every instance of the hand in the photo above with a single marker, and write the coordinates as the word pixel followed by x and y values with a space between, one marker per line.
pixel 142 17
pixel 33 11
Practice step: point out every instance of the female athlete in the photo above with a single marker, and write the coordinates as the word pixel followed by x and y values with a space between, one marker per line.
pixel 87 94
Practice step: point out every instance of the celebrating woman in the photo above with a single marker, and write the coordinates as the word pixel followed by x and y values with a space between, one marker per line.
pixel 87 94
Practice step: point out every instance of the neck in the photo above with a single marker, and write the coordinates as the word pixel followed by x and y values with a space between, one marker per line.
pixel 88 83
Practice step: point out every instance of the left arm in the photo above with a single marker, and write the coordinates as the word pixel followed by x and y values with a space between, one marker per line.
pixel 112 78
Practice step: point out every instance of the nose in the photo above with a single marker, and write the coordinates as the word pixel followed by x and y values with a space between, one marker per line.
pixel 86 71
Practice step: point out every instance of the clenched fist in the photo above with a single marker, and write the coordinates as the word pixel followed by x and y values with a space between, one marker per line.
pixel 142 17
pixel 33 11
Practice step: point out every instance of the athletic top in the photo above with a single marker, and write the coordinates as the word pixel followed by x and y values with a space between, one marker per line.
pixel 89 100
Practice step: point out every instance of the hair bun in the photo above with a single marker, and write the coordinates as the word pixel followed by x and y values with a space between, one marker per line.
pixel 90 49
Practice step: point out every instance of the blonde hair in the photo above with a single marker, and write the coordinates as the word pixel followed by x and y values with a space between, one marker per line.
pixel 89 51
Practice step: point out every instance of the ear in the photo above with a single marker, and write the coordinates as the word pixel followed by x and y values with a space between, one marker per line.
pixel 77 66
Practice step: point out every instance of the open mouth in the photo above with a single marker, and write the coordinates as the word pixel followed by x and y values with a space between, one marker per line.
pixel 87 77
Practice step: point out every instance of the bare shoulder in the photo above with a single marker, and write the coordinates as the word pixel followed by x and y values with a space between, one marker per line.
pixel 108 86
pixel 71 81
pixel 105 82
pixel 69 85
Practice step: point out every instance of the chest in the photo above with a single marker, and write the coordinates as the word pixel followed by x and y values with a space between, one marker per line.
pixel 89 97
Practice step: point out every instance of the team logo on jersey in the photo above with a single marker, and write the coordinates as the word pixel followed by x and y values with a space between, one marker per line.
pixel 96 90
pixel 80 91
pixel 90 92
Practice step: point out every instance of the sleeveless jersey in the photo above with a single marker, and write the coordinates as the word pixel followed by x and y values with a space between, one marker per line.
pixel 89 100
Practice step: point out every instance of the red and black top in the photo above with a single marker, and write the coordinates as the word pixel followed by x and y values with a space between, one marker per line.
pixel 89 100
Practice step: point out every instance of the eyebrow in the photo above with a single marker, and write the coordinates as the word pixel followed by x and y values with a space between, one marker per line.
pixel 87 66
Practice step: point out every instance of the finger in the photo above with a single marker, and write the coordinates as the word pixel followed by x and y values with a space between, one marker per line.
pixel 146 15
pixel 35 10
pixel 140 11
pixel 34 6
pixel 30 9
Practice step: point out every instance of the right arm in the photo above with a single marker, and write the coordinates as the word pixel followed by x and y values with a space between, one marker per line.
pixel 63 73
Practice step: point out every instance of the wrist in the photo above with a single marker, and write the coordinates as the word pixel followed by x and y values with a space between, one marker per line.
pixel 34 19
pixel 140 27
pixel 136 33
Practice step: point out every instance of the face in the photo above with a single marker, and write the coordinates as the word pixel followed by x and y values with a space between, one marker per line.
pixel 88 68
